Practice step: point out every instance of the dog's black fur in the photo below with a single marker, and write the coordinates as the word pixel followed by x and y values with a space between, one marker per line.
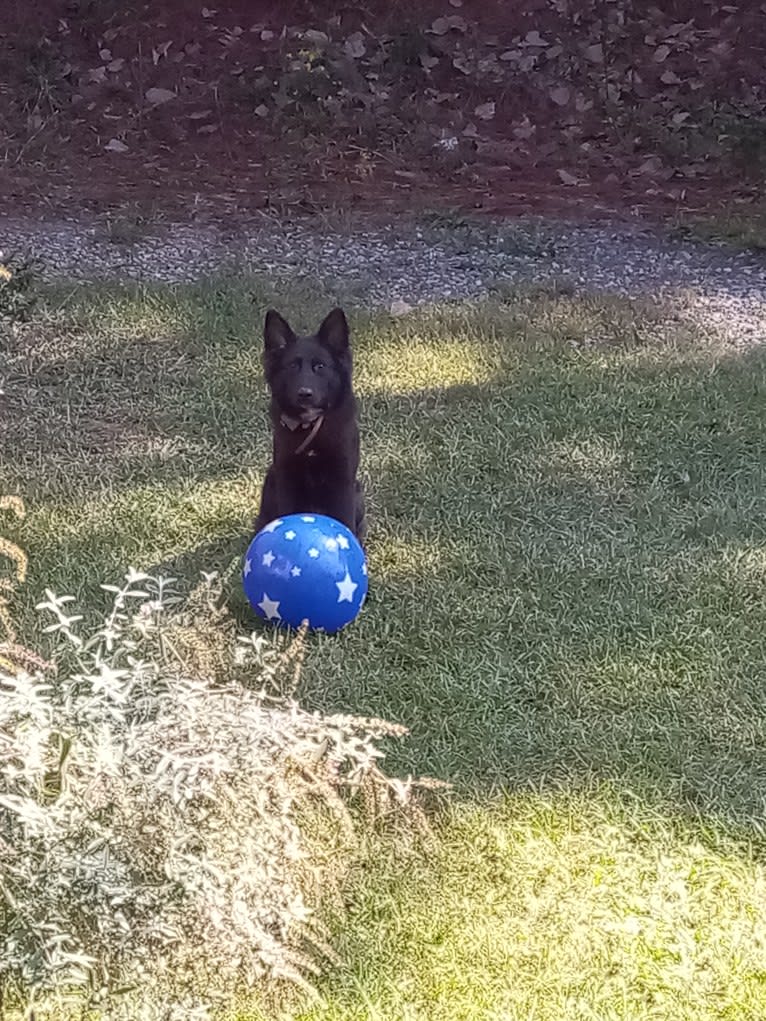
pixel 314 421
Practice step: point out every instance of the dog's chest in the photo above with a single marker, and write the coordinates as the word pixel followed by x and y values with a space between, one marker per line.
pixel 315 467
pixel 314 479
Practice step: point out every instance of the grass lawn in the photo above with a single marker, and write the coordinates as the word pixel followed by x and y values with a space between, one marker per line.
pixel 568 555
pixel 741 227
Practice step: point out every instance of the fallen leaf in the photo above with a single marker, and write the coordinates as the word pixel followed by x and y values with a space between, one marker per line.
pixel 669 78
pixel 106 55
pixel 262 111
pixel 161 51
pixel 267 35
pixel 595 53
pixel 457 23
pixel 116 65
pixel 427 62
pixel 534 39
pixel 354 45
pixel 207 129
pixel 560 95
pixel 456 3
pixel 650 165
pixel 115 145
pixel 510 55
pixel 524 130
pixel 207 13
pixel 567 178
pixel 485 111
pixel 159 96
pixel 439 27
pixel 661 53
pixel 199 115
pixel 488 65
pixel 316 37
pixel 399 308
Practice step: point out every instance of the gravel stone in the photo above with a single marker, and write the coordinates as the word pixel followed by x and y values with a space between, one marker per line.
pixel 723 290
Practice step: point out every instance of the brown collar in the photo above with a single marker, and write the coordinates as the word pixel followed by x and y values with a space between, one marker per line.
pixel 293 423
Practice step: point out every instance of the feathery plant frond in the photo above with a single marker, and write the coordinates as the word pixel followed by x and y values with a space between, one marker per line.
pixel 13 657
pixel 170 819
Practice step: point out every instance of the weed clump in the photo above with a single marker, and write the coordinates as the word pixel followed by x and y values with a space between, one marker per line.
pixel 17 288
pixel 168 828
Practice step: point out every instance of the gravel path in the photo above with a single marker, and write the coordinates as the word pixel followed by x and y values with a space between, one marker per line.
pixel 723 291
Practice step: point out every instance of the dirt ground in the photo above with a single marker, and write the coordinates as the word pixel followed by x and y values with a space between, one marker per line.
pixel 573 107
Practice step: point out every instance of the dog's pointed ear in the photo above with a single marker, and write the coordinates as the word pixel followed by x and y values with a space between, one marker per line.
pixel 333 332
pixel 277 333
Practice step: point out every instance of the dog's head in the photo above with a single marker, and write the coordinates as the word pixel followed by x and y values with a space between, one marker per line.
pixel 308 376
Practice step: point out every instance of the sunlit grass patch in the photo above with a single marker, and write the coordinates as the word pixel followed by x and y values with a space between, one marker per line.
pixel 555 907
pixel 435 350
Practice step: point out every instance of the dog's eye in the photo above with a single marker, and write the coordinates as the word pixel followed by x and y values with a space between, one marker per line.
pixel 318 366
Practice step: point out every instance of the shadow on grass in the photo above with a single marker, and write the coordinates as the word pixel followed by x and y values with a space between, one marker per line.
pixel 567 557
pixel 579 599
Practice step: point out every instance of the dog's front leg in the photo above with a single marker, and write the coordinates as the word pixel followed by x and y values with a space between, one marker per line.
pixel 343 507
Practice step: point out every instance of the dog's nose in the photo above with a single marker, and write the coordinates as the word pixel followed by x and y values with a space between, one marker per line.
pixel 305 393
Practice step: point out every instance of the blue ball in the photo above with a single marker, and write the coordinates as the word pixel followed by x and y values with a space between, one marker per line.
pixel 306 567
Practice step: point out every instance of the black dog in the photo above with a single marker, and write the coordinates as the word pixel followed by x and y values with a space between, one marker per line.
pixel 314 420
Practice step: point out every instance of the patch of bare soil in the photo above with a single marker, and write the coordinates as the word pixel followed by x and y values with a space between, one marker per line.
pixel 574 107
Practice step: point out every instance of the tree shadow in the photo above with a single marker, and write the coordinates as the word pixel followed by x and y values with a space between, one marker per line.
pixel 543 618
pixel 578 620
pixel 566 565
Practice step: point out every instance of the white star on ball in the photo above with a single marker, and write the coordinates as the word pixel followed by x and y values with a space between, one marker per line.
pixel 308 519
pixel 342 541
pixel 270 608
pixel 248 566
pixel 290 534
pixel 272 526
pixel 268 559
pixel 346 589
pixel 330 544
pixel 296 571
pixel 364 570
pixel 313 552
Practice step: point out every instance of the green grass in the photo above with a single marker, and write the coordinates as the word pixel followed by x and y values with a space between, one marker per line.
pixel 568 553
pixel 742 228
pixel 556 908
